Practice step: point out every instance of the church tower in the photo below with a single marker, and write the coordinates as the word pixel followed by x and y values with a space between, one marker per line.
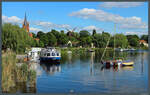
pixel 25 24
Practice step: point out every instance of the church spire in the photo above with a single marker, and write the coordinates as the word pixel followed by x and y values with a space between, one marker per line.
pixel 25 23
pixel 25 19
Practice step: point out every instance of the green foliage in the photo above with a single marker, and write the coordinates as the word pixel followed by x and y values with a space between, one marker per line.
pixel 15 38
pixel 63 39
pixel 34 35
pixel 84 33
pixel 18 39
pixel 52 41
pixel 100 40
pixel 121 41
pixel 133 40
pixel 56 33
pixel 94 32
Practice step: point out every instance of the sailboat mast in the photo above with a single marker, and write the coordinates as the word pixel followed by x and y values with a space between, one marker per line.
pixel 114 39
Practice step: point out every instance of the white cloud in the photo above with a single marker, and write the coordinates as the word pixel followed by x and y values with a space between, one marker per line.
pixel 52 25
pixel 12 19
pixel 100 15
pixel 136 32
pixel 32 29
pixel 90 28
pixel 121 4
pixel 44 25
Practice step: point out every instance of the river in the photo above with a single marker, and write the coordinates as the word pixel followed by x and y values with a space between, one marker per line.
pixel 83 73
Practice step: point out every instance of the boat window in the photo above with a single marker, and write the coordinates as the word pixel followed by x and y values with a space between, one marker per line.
pixel 57 54
pixel 48 54
pixel 53 54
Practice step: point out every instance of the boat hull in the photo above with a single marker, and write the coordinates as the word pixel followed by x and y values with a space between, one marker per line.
pixel 49 59
pixel 127 63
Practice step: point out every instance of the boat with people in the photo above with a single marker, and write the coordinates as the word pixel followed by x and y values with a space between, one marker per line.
pixel 50 54
pixel 116 61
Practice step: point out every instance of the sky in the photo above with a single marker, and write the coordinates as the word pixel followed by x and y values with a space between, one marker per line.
pixel 128 17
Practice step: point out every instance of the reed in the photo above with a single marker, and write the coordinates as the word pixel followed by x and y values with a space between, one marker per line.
pixel 32 78
pixel 13 73
pixel 8 70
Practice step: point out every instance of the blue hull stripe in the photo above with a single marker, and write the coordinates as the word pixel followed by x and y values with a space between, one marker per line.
pixel 50 58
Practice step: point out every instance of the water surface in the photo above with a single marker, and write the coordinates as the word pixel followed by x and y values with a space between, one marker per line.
pixel 83 73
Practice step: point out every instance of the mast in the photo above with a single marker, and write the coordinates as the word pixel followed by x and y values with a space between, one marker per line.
pixel 114 40
pixel 105 48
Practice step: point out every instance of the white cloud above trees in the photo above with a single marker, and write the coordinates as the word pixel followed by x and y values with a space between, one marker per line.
pixel 120 4
pixel 102 16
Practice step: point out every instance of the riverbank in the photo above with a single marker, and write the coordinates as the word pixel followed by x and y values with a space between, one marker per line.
pixel 15 71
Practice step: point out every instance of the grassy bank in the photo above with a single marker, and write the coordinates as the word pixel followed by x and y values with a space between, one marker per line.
pixel 73 49
pixel 13 73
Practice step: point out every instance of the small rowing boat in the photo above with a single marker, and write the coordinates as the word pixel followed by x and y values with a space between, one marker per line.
pixel 127 63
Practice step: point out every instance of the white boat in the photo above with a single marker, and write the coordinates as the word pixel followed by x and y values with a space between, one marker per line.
pixel 50 54
pixel 119 49
pixel 33 54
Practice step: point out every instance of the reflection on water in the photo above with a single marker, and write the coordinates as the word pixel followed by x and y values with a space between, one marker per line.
pixel 51 68
pixel 22 87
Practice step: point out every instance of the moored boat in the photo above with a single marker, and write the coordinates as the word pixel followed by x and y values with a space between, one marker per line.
pixel 50 54
pixel 90 50
pixel 116 62
pixel 127 63
pixel 33 54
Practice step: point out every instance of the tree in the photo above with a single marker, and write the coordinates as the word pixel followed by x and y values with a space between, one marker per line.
pixel 34 35
pixel 44 39
pixel 63 39
pixel 62 31
pixel 52 41
pixel 121 41
pixel 84 33
pixel 39 34
pixel 55 33
pixel 133 40
pixel 94 32
pixel 15 38
pixel 85 38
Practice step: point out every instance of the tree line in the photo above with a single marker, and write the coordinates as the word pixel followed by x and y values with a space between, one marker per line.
pixel 18 40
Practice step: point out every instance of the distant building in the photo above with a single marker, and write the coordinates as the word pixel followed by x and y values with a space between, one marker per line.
pixel 143 42
pixel 26 25
pixel 69 43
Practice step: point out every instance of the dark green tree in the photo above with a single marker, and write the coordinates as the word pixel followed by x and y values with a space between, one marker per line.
pixel 52 41
pixel 94 32
pixel 133 40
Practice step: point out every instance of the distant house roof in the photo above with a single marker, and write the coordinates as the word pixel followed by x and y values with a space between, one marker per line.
pixel 37 39
pixel 30 34
pixel 143 41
